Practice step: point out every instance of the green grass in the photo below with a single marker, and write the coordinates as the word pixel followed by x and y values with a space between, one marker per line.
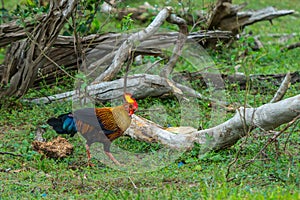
pixel 202 176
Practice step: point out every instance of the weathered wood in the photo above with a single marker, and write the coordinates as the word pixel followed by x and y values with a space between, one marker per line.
pixel 227 16
pixel 141 85
pixel 284 86
pixel 291 46
pixel 104 47
pixel 222 10
pixel 26 57
pixel 246 18
pixel 266 117
pixel 177 50
pixel 256 80
pixel 12 31
pixel 223 16
pixel 128 46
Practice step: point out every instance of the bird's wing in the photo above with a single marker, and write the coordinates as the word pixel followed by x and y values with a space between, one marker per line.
pixel 100 119
pixel 86 115
pixel 106 118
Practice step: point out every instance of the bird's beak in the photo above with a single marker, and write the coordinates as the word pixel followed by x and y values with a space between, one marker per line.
pixel 131 112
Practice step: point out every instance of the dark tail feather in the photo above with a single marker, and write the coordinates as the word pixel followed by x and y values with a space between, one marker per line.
pixel 59 126
pixel 56 124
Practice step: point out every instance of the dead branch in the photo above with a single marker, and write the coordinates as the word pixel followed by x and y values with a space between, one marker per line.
pixel 104 46
pixel 26 57
pixel 227 16
pixel 177 50
pixel 291 46
pixel 266 117
pixel 272 139
pixel 10 153
pixel 256 80
pixel 141 85
pixel 247 18
pixel 222 10
pixel 224 15
pixel 127 46
pixel 15 33
pixel 282 89
pixel 12 31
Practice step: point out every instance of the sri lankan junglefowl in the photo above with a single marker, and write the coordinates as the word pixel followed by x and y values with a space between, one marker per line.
pixel 97 124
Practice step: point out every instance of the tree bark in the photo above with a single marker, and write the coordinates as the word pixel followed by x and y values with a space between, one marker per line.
pixel 229 17
pixel 104 46
pixel 63 54
pixel 129 45
pixel 26 57
pixel 143 85
pixel 266 117
pixel 224 15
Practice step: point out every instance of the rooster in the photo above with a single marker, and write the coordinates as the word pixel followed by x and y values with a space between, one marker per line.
pixel 97 124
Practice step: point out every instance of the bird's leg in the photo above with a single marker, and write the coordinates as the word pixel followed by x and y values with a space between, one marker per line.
pixel 112 157
pixel 87 147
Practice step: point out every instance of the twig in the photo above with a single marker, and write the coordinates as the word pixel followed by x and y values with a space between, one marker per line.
pixel 9 153
pixel 288 137
pixel 258 43
pixel 276 135
pixel 135 187
pixel 182 36
pixel 46 56
pixel 234 161
pixel 127 69
pixel 282 89
pixel 291 46
pixel 154 64
pixel 247 130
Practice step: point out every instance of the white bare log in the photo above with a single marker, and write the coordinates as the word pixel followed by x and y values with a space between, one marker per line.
pixel 141 85
pixel 266 117
pixel 105 91
pixel 125 49
pixel 246 18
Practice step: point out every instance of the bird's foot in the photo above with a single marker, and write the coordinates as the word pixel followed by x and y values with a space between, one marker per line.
pixel 113 159
pixel 89 164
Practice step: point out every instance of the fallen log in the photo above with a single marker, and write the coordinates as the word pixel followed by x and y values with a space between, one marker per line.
pixel 266 117
pixel 229 17
pixel 104 47
pixel 224 15
pixel 62 58
pixel 26 57
pixel 141 85
pixel 291 46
